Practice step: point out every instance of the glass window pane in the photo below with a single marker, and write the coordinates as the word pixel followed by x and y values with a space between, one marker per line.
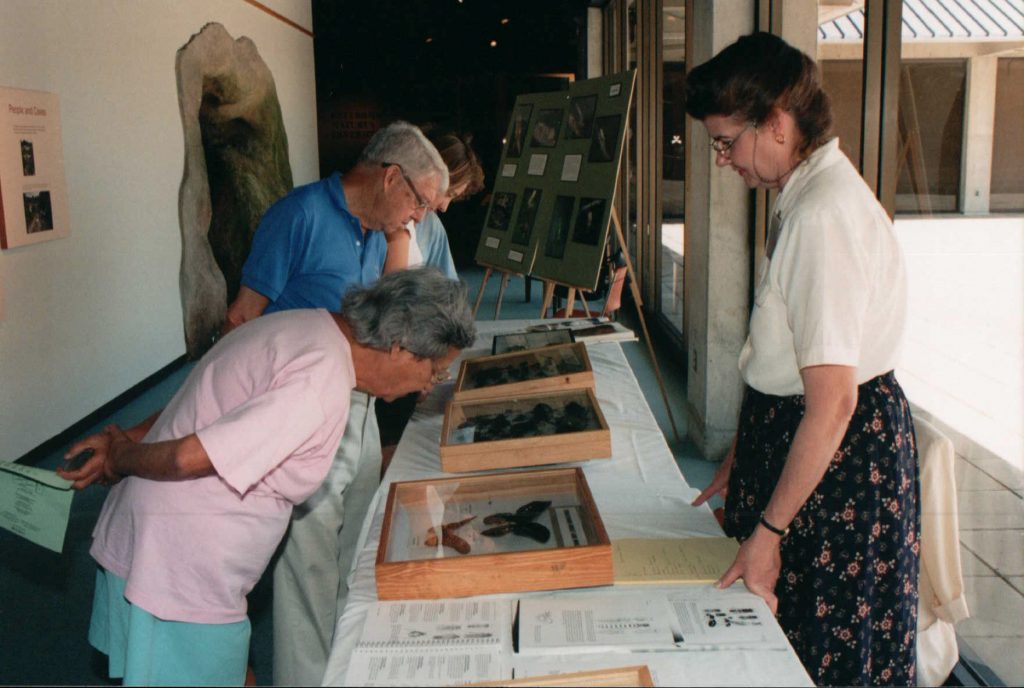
pixel 931 134
pixel 844 82
pixel 841 60
pixel 1008 137
pixel 964 355
pixel 670 256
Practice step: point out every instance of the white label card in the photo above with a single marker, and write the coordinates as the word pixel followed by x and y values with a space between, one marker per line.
pixel 509 169
pixel 492 242
pixel 615 90
pixel 571 168
pixel 515 256
pixel 538 162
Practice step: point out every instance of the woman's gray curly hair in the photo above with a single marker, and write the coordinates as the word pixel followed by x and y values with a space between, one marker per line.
pixel 420 309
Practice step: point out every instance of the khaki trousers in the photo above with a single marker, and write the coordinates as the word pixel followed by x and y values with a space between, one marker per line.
pixel 310 577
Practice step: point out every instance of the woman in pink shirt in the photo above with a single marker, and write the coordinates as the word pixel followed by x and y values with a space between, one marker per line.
pixel 205 489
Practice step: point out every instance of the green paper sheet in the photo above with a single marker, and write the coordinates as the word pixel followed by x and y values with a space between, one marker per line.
pixel 35 503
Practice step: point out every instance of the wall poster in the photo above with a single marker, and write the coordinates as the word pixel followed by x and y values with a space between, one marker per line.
pixel 33 194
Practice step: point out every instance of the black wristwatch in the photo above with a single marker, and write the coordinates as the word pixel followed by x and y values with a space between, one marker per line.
pixel 781 532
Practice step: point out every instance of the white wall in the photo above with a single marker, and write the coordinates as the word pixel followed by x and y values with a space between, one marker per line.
pixel 89 316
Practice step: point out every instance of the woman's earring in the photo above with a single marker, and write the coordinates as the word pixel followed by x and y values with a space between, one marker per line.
pixel 779 138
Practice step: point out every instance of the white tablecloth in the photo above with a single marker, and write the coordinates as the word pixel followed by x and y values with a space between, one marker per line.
pixel 639 493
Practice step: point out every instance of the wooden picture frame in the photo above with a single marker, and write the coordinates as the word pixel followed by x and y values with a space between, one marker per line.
pixel 563 366
pixel 523 341
pixel 526 430
pixel 433 543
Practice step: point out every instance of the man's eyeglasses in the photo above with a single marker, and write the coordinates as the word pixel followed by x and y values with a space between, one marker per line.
pixel 722 146
pixel 421 203
pixel 439 376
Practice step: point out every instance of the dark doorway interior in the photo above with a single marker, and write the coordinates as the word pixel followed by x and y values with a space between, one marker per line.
pixel 432 61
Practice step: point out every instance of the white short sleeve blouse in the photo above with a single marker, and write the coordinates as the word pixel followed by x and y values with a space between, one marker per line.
pixel 833 290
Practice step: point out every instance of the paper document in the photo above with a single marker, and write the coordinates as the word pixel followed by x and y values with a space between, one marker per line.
pixel 557 625
pixel 35 503
pixel 433 643
pixel 708 617
pixel 672 560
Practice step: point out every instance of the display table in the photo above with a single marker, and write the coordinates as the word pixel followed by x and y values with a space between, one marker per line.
pixel 639 493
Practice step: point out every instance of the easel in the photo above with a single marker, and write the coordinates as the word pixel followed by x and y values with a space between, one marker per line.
pixel 549 291
pixel 501 289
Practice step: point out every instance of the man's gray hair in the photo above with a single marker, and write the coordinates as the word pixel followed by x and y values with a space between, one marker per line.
pixel 403 144
pixel 419 309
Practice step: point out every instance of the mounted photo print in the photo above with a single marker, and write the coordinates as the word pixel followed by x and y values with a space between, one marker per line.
pixel 580 122
pixel 501 211
pixel 603 147
pixel 589 222
pixel 527 216
pixel 545 128
pixel 517 131
pixel 558 229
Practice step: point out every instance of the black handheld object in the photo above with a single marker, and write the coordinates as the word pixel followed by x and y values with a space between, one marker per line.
pixel 79 459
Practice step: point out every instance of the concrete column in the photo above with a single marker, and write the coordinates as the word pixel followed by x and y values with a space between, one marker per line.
pixel 979 123
pixel 800 25
pixel 717 249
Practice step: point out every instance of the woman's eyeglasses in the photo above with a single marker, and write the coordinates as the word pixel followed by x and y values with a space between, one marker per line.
pixel 722 146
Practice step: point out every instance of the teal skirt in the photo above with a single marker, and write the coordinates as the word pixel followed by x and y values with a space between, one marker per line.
pixel 146 651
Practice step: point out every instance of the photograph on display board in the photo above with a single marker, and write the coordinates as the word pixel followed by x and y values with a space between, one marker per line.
pixel 501 211
pixel 517 131
pixel 545 128
pixel 38 212
pixel 580 123
pixel 558 230
pixel 589 222
pixel 527 216
pixel 28 159
pixel 606 135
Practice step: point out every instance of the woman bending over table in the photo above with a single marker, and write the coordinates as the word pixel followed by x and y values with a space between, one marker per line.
pixel 821 482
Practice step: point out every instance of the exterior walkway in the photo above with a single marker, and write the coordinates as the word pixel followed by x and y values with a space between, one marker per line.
pixel 963 368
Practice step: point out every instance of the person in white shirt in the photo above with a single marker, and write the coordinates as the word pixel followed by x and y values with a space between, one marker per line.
pixel 426 243
pixel 821 483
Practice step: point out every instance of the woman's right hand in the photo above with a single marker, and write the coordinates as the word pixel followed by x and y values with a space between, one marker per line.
pixel 94 469
pixel 720 483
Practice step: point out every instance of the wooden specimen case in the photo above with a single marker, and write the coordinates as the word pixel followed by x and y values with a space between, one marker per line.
pixel 563 366
pixel 638 675
pixel 521 431
pixel 438 536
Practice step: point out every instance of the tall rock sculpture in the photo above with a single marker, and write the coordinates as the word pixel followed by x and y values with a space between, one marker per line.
pixel 236 166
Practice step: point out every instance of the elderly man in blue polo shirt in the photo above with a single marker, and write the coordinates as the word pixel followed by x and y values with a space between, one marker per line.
pixel 310 247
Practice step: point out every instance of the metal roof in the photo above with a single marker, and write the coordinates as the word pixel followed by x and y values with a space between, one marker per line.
pixel 939 20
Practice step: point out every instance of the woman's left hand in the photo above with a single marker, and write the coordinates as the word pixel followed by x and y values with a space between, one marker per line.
pixel 758 563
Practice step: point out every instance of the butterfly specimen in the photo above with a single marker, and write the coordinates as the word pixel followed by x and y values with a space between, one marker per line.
pixel 520 523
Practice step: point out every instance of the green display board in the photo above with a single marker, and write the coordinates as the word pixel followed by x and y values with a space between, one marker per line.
pixel 552 199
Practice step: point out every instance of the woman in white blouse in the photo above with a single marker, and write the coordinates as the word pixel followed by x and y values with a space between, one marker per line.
pixel 821 484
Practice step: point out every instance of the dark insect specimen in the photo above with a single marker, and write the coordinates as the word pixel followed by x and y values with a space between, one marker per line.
pixel 539 367
pixel 540 421
pixel 520 523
